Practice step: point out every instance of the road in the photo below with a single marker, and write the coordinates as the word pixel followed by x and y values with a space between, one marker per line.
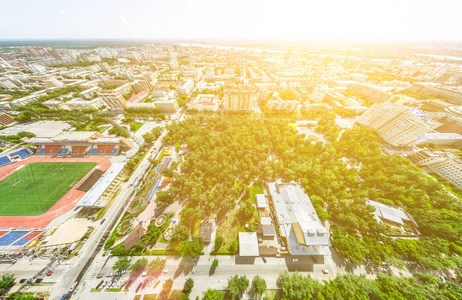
pixel 89 248
pixel 83 265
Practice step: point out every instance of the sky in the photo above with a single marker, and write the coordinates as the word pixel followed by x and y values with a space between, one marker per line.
pixel 375 20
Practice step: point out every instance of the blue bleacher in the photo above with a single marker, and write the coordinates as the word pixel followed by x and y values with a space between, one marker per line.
pixel 22 153
pixel 42 150
pixel 115 150
pixel 65 151
pixel 11 236
pixel 4 160
pixel 60 150
pixel 94 151
pixel 22 242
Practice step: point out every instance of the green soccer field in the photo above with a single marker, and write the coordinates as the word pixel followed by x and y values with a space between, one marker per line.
pixel 35 188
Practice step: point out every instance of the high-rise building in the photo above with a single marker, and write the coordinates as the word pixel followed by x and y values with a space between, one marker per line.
pixel 238 97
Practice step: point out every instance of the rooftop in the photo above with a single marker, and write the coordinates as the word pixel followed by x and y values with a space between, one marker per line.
pixel 248 244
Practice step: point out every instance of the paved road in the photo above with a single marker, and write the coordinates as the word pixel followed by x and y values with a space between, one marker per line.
pixel 121 201
pixel 90 246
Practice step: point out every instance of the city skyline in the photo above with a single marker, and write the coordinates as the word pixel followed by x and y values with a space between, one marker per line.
pixel 292 20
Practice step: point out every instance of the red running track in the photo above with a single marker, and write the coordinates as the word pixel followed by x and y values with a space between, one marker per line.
pixel 66 203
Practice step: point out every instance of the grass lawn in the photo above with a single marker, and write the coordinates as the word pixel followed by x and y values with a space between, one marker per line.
pixel 233 224
pixel 256 188
pixel 135 126
pixel 35 188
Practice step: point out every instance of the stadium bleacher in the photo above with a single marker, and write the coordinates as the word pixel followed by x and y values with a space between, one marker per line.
pixel 22 242
pixel 2 233
pixel 7 157
pixel 42 150
pixel 32 235
pixel 11 237
pixel 4 160
pixel 23 153
pixel 115 150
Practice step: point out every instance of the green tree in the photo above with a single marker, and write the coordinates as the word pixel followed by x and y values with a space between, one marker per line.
pixel 212 295
pixel 180 233
pixel 188 286
pixel 138 265
pixel 219 240
pixel 298 287
pixel 155 266
pixel 164 198
pixel 259 286
pixel 237 285
pixel 121 264
pixel 194 247
pixel 215 263
pixel 6 281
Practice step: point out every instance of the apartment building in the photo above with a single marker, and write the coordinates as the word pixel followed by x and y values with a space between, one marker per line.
pixel 238 97
pixel 203 102
pixel 187 88
pixel 279 104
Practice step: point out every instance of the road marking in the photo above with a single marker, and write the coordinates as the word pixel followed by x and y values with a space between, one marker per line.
pixel 92 270
pixel 63 273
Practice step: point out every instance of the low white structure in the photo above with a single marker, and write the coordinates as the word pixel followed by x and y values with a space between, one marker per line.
pixel 248 244
pixel 261 201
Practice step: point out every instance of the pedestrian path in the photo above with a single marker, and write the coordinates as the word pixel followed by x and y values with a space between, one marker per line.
pixel 331 264
pixel 63 273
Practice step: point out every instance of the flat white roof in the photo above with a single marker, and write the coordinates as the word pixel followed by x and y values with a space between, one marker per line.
pixel 248 244
pixel 92 196
pixel 261 201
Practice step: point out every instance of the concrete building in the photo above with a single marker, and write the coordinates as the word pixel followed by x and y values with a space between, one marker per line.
pixel 397 125
pixel 437 138
pixel 450 124
pixel 393 216
pixel 167 105
pixel 279 104
pixel 446 165
pixel 79 104
pixel 54 104
pixel 296 220
pixel 248 244
pixel 238 97
pixel 203 102
pixel 114 97
pixel 187 88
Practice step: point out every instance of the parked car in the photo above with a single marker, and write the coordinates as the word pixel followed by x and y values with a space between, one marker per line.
pixel 264 259
pixel 99 275
pixel 109 275
pixel 325 271
pixel 22 280
pixel 49 273
pixel 295 260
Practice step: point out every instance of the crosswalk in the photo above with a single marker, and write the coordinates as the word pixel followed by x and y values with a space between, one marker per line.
pixel 63 273
pixel 93 268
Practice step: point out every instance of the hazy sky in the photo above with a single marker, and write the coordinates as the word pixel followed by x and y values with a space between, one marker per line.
pixel 233 19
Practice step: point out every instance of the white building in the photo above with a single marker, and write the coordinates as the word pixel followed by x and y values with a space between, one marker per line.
pixel 297 221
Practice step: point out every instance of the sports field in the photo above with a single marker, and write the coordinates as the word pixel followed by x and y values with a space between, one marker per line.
pixel 36 187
